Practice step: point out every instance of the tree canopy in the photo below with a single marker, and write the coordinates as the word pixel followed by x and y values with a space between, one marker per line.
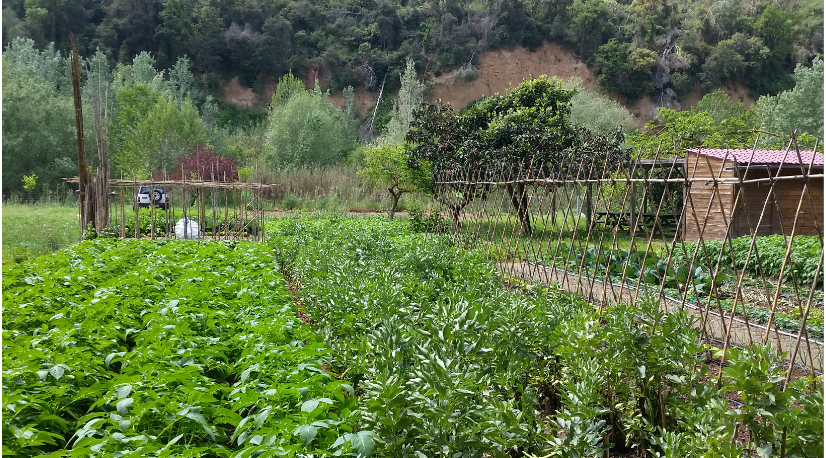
pixel 524 133
pixel 529 127
pixel 635 46
pixel 304 129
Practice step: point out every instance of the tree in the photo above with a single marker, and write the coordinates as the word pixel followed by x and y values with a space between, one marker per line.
pixel 800 108
pixel 411 95
pixel 723 64
pixel 38 117
pixel 525 133
pixel 616 72
pixel 152 131
pixel 598 113
pixel 715 122
pixel 386 166
pixel 204 164
pixel 591 25
pixel 306 130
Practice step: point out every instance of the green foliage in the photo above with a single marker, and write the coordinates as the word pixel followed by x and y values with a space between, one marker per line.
pixel 153 130
pixel 306 130
pixel 715 122
pixel 599 114
pixel 411 96
pixel 156 121
pixel 623 71
pixel 804 256
pixel 180 348
pixel 288 87
pixel 591 25
pixel 528 122
pixel 386 167
pixel 448 362
pixel 39 135
pixel 750 43
pixel 800 108
pixel 29 182
pixel 34 230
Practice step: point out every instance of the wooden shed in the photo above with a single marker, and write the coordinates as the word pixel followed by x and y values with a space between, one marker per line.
pixel 752 192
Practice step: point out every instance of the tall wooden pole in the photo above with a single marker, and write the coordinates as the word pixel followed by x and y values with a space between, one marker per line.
pixel 84 176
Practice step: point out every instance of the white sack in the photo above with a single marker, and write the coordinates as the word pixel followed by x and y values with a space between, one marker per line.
pixel 192 231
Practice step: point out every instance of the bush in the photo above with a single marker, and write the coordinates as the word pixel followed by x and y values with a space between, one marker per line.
pixel 467 72
pixel 306 130
pixel 144 222
pixel 290 202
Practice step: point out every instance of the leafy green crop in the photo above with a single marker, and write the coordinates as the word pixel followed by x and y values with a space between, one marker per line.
pixel 650 271
pixel 771 250
pixel 449 363
pixel 135 348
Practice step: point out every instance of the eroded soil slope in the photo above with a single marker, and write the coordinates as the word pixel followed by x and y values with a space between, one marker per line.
pixel 499 70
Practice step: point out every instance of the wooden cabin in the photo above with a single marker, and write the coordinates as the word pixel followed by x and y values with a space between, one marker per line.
pixel 773 193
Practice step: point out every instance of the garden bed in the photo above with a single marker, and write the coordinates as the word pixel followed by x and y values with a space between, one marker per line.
pixel 140 348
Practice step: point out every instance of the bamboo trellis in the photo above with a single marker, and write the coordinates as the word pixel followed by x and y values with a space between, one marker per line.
pixel 236 208
pixel 536 226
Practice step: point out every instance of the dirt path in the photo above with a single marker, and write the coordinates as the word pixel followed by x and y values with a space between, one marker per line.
pixel 742 333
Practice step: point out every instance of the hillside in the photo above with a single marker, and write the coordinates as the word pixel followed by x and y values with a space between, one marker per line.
pixel 634 48
pixel 498 70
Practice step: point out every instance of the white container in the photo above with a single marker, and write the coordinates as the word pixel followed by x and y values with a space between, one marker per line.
pixel 192 231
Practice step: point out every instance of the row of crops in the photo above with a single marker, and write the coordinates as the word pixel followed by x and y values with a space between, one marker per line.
pixel 449 363
pixel 691 273
pixel 139 348
pixel 415 349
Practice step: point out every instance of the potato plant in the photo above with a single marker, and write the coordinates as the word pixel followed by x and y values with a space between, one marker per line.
pixel 137 348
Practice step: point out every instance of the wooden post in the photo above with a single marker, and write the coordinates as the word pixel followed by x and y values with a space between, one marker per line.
pixel 151 207
pixel 632 223
pixel 83 174
pixel 122 216
pixel 212 194
pixel 588 205
pixel 136 207
pixel 185 202
pixel 102 116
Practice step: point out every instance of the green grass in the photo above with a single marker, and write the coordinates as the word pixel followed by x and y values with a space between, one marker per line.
pixel 33 230
pixel 500 235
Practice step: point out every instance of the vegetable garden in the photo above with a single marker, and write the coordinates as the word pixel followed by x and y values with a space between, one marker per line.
pixel 406 346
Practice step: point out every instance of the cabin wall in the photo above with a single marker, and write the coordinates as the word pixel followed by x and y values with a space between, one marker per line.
pixel 783 202
pixel 707 211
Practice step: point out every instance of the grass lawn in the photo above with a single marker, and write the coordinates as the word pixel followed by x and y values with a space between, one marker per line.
pixel 33 230
pixel 501 236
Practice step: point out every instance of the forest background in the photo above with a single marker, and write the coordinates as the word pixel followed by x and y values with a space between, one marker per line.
pixel 165 63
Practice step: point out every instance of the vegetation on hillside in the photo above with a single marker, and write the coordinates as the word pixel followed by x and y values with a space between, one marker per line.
pixel 159 117
pixel 636 46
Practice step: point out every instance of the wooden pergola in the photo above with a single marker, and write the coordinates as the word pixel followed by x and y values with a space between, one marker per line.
pixel 237 211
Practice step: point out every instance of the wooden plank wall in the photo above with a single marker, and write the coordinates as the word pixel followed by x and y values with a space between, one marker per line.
pixel 700 194
pixel 782 206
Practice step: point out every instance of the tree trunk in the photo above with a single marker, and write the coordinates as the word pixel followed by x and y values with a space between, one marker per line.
pixel 519 200
pixel 454 215
pixel 394 202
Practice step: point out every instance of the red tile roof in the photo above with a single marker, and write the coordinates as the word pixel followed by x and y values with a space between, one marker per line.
pixel 761 156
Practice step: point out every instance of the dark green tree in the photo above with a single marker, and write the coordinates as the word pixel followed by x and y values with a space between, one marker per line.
pixel 524 133
pixel 590 27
